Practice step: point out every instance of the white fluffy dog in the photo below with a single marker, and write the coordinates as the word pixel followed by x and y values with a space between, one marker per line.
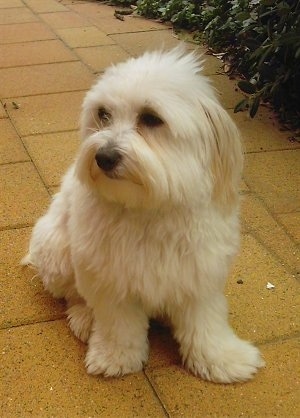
pixel 146 222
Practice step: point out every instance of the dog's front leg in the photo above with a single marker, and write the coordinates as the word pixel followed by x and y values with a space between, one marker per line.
pixel 208 345
pixel 118 344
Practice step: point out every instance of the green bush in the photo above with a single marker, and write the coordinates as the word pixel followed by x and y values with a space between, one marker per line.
pixel 182 13
pixel 118 2
pixel 260 38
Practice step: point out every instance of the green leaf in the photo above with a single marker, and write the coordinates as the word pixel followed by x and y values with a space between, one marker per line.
pixel 269 29
pixel 254 107
pixel 242 16
pixel 246 87
pixel 242 105
pixel 251 43
pixel 267 2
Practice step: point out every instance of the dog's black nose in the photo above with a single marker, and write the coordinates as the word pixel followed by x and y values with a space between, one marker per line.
pixel 107 159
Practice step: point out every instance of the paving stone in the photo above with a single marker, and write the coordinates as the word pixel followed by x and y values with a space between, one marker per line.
pixel 275 177
pixel 5 4
pixel 244 187
pixel 3 113
pixel 111 25
pixel 53 358
pixel 52 154
pixel 98 58
pixel 257 313
pixel 44 78
pixel 91 9
pixel 84 36
pixel 263 132
pixel 260 221
pixel 273 392
pixel 211 65
pixel 23 196
pixel 53 190
pixel 137 43
pixel 228 91
pixel 23 299
pixel 47 113
pixel 11 147
pixel 291 222
pixel 30 53
pixel 61 20
pixel 25 32
pixel 39 6
pixel 8 16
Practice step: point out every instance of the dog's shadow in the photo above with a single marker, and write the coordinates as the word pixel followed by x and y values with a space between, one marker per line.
pixel 164 350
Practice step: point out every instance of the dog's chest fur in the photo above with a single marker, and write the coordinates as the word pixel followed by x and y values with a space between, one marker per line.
pixel 152 255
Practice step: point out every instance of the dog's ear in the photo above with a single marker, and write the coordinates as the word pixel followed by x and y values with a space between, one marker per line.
pixel 226 155
pixel 88 118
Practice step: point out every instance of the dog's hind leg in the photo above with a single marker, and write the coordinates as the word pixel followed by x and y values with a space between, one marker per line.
pixel 50 254
pixel 80 318
pixel 49 249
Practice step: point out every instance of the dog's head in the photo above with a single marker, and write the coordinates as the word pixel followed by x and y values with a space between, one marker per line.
pixel 154 135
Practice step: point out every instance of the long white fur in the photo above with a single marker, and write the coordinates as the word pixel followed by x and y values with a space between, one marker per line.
pixel 159 237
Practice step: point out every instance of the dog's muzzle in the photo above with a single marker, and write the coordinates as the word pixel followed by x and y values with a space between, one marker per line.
pixel 108 158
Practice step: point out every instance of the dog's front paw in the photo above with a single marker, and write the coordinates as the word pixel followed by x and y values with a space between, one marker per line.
pixel 110 360
pixel 232 361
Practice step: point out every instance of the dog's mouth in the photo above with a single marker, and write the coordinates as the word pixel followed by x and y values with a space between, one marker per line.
pixel 96 171
pixel 113 174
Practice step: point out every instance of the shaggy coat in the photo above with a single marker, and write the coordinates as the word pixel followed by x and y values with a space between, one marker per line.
pixel 147 220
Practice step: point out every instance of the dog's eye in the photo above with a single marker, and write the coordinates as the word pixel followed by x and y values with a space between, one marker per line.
pixel 150 120
pixel 104 115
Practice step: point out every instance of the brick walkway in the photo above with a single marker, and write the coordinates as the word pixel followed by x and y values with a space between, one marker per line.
pixel 50 52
